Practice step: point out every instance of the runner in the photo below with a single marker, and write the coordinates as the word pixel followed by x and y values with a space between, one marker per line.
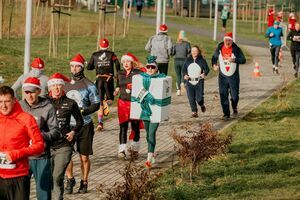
pixel 274 34
pixel 194 70
pixel 230 56
pixel 104 61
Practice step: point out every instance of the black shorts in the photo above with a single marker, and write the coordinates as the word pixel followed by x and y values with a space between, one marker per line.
pixel 85 139
pixel 105 88
pixel 15 188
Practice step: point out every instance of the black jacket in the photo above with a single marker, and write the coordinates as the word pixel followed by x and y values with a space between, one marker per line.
pixel 103 61
pixel 238 53
pixel 124 82
pixel 294 44
pixel 65 108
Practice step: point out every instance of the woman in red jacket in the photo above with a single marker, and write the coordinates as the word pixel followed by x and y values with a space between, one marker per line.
pixel 20 138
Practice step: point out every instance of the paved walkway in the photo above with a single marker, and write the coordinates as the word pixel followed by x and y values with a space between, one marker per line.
pixel 105 164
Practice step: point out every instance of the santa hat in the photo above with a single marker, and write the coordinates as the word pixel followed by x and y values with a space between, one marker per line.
pixel 78 60
pixel 31 84
pixel 129 57
pixel 58 79
pixel 104 44
pixel 163 28
pixel 151 61
pixel 271 11
pixel 38 63
pixel 228 36
pixel 291 15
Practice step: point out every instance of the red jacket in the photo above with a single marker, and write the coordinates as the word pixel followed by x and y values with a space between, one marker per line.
pixel 16 130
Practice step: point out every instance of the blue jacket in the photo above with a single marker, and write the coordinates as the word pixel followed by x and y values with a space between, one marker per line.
pixel 275 40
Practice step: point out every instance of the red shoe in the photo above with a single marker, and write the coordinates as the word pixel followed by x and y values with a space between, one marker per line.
pixel 99 127
pixel 148 164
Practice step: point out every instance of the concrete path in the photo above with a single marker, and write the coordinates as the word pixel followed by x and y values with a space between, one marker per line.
pixel 105 164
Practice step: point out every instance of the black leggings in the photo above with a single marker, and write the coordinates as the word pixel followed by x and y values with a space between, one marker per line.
pixel 275 55
pixel 135 125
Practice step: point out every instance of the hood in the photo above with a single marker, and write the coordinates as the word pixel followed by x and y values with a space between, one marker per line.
pixel 16 110
pixel 42 102
pixel 161 36
pixel 35 72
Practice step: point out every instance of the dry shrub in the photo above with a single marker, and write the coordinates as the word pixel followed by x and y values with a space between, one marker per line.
pixel 138 183
pixel 194 146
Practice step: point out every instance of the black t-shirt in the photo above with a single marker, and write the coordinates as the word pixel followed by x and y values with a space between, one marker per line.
pixel 125 83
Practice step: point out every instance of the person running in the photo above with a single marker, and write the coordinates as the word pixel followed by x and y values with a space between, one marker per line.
pixel 124 85
pixel 37 70
pixel 85 93
pixel 61 152
pixel 224 16
pixel 45 116
pixel 181 50
pixel 139 7
pixel 274 34
pixel 194 70
pixel 104 61
pixel 271 18
pixel 151 127
pixel 294 37
pixel 20 138
pixel 160 45
pixel 229 56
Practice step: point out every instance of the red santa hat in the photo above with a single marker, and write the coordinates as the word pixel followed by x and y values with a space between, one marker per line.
pixel 271 11
pixel 57 79
pixel 228 36
pixel 129 57
pixel 78 60
pixel 104 44
pixel 163 28
pixel 38 63
pixel 31 84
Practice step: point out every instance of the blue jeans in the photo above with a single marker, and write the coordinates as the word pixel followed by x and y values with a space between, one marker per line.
pixel 195 94
pixel 226 85
pixel 41 170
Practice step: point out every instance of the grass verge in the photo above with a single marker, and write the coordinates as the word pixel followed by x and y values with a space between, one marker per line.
pixel 263 162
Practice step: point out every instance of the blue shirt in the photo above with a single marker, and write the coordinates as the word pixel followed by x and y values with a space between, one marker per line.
pixel 275 40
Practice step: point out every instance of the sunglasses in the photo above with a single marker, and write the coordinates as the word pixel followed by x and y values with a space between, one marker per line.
pixel 150 67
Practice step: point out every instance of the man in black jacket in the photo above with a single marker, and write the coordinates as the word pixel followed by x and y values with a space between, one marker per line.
pixel 294 36
pixel 230 56
pixel 103 61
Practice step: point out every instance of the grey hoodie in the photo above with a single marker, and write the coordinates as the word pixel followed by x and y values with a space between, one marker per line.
pixel 33 73
pixel 45 116
pixel 160 45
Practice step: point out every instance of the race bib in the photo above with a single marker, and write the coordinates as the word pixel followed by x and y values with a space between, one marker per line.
pixel 227 68
pixel 5 164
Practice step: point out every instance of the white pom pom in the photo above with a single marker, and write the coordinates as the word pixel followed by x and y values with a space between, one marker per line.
pixel 72 82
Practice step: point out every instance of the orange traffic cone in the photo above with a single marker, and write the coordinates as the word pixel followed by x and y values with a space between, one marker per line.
pixel 256 72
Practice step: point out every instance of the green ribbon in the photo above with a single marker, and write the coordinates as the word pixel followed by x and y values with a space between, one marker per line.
pixel 149 99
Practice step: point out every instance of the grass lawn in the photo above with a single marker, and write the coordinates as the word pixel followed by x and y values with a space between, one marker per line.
pixel 84 40
pixel 263 161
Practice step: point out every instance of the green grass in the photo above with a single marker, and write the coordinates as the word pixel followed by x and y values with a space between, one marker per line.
pixel 263 161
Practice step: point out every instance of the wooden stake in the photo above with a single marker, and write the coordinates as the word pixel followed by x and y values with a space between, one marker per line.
pixel 124 17
pixel 69 27
pixel 196 9
pixel 1 19
pixel 190 9
pixel 10 19
pixel 129 14
pixel 36 13
pixel 253 13
pixel 115 25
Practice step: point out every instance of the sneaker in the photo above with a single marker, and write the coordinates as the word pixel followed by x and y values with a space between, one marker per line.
pixel 178 93
pixel 83 187
pixel 276 71
pixel 235 113
pixel 122 155
pixel 225 118
pixel 296 75
pixel 273 70
pixel 148 164
pixel 194 115
pixel 203 108
pixel 70 184
pixel 182 87
pixel 106 110
pixel 99 127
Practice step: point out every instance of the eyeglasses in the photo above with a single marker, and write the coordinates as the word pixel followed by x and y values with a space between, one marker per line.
pixel 150 66
pixel 28 92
